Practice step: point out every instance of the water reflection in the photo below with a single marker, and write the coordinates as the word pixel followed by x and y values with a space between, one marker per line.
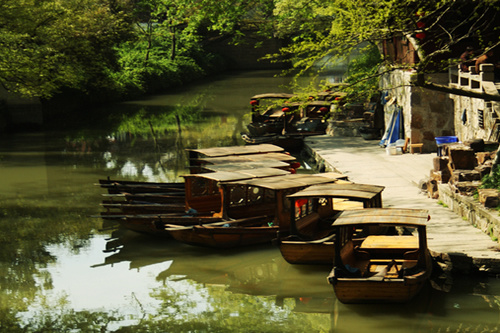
pixel 60 270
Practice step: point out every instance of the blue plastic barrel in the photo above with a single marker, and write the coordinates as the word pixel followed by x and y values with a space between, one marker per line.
pixel 440 140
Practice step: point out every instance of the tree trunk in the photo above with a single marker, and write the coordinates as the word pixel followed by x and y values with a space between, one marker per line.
pixel 174 42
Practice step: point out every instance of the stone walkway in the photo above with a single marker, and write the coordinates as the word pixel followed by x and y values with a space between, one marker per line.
pixel 364 161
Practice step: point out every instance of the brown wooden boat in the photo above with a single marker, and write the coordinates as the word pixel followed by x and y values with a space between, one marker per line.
pixel 271 159
pixel 203 202
pixel 380 267
pixel 251 197
pixel 118 186
pixel 131 208
pixel 155 224
pixel 227 234
pixel 197 188
pixel 232 158
pixel 202 156
pixel 286 125
pixel 312 235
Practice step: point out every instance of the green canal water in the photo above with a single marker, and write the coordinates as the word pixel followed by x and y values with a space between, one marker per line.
pixel 62 270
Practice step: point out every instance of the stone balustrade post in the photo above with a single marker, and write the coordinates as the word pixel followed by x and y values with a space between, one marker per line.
pixel 487 72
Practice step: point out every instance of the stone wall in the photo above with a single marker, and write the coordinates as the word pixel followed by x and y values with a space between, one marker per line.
pixel 475 118
pixel 426 113
pixel 485 219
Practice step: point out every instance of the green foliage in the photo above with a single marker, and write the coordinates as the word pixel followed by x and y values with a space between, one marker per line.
pixel 137 76
pixel 167 47
pixel 49 44
pixel 442 204
pixel 491 180
pixel 114 45
pixel 329 32
pixel 362 74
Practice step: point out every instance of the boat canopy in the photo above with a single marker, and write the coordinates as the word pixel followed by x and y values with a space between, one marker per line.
pixel 224 176
pixel 386 216
pixel 248 158
pixel 273 95
pixel 290 180
pixel 246 165
pixel 237 150
pixel 351 191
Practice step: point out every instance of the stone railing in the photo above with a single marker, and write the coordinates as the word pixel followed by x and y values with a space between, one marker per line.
pixel 472 80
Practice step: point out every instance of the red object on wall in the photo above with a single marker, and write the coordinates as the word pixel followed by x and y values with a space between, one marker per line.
pixel 420 35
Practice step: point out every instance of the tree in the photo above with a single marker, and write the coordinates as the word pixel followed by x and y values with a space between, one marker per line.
pixel 169 37
pixel 437 30
pixel 50 44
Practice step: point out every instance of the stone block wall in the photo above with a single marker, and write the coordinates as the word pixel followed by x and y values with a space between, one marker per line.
pixel 426 113
pixel 475 118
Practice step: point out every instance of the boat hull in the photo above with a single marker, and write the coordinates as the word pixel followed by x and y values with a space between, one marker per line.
pixel 155 225
pixel 307 253
pixel 225 237
pixel 396 291
pixel 290 143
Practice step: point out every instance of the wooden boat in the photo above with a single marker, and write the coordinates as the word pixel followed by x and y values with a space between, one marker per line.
pixel 202 204
pixel 238 162
pixel 288 127
pixel 267 113
pixel 117 186
pixel 213 159
pixel 251 197
pixel 155 224
pixel 151 197
pixel 380 267
pixel 195 183
pixel 227 234
pixel 200 156
pixel 131 208
pixel 312 234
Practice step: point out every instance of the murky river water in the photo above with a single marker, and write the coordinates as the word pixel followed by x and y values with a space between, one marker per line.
pixel 61 270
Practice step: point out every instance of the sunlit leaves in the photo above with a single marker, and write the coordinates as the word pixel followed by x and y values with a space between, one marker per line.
pixel 49 44
pixel 354 22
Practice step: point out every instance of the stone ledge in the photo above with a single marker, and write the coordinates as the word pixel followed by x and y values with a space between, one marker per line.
pixel 486 220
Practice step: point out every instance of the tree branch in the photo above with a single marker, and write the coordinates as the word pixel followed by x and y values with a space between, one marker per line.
pixel 456 91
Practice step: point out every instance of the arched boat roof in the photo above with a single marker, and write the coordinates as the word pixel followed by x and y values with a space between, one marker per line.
pixel 290 180
pixel 387 216
pixel 248 158
pixel 273 95
pixel 351 191
pixel 237 150
pixel 225 176
pixel 246 165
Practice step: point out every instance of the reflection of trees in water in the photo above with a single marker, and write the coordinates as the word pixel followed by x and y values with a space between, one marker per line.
pixel 149 142
pixel 28 224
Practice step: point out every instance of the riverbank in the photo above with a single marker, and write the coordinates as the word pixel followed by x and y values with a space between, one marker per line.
pixel 455 243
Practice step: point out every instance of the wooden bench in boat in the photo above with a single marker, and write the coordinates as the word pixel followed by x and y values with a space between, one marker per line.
pixel 358 258
pixel 389 246
pixel 355 259
pixel 307 225
pixel 389 269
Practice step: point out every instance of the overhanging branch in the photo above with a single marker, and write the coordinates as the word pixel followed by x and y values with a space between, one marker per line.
pixel 457 91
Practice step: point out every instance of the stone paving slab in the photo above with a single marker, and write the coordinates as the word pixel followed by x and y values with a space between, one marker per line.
pixel 364 161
